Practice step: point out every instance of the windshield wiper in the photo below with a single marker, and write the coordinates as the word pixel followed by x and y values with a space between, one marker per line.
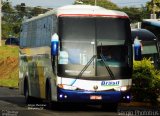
pixel 107 67
pixel 86 66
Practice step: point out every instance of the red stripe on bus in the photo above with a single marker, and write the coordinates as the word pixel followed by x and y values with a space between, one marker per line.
pixel 96 15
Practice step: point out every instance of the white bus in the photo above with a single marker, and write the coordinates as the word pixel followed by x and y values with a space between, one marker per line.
pixel 77 53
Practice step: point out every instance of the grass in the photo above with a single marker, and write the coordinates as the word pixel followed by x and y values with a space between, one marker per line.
pixel 9 83
pixel 9 66
pixel 8 51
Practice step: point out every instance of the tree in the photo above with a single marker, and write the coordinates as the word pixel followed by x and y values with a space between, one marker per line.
pixel 6 7
pixel 103 3
pixel 153 6
pixel 13 17
pixel 7 19
pixel 136 14
pixel 21 10
pixel 38 10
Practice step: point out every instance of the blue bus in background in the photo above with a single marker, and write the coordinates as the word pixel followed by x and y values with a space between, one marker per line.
pixel 152 25
pixel 150 44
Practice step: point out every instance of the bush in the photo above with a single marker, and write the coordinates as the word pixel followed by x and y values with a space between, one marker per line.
pixel 146 81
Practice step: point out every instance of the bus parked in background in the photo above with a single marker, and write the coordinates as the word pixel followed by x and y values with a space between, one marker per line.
pixel 77 53
pixel 150 45
pixel 152 25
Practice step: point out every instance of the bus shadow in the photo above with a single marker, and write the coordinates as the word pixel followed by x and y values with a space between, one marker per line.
pixel 69 107
pixel 8 101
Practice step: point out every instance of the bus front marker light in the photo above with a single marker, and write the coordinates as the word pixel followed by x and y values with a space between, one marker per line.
pixel 128 97
pixel 65 96
pixel 60 95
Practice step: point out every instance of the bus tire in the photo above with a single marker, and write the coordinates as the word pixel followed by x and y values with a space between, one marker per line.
pixel 48 95
pixel 26 93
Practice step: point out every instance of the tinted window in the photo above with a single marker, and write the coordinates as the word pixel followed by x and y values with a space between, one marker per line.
pixel 77 28
pixel 82 38
pixel 110 28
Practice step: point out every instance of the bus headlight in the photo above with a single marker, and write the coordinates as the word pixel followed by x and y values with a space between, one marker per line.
pixel 125 88
pixel 63 86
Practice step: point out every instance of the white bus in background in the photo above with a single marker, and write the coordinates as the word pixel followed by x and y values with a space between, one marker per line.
pixel 77 53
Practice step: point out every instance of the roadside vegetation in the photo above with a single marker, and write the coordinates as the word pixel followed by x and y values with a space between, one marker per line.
pixel 146 82
pixel 9 65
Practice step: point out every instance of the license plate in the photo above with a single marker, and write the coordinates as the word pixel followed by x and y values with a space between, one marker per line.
pixel 95 97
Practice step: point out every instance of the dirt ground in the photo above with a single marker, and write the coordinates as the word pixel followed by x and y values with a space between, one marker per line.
pixel 7 67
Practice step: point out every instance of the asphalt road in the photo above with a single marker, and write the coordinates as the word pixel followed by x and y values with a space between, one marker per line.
pixel 13 104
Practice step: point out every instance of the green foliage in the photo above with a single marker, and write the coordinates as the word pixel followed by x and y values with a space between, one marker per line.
pixel 146 81
pixel 13 17
pixel 153 6
pixel 8 51
pixel 9 83
pixel 6 7
pixel 10 21
pixel 38 10
pixel 136 14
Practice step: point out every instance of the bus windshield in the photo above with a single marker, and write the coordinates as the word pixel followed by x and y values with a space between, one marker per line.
pixel 81 38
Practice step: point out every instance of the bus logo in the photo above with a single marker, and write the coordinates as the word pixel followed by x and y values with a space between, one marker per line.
pixel 110 83
pixel 95 87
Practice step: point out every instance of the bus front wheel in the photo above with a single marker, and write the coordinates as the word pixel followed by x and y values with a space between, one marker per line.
pixel 48 96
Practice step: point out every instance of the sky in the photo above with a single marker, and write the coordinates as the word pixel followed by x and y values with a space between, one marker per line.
pixel 130 2
pixel 58 3
pixel 43 3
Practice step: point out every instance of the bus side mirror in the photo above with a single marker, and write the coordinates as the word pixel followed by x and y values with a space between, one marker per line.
pixel 137 50
pixel 54 44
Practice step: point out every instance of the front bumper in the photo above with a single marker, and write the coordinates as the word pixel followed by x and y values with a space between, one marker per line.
pixel 83 96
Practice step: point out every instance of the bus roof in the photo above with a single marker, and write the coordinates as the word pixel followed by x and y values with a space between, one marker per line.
pixel 143 34
pixel 81 10
pixel 154 22
pixel 88 10
pixel 51 12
